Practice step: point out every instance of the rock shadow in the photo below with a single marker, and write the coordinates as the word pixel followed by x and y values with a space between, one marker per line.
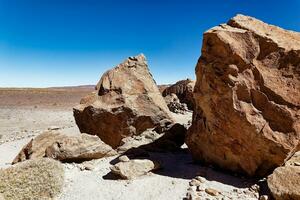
pixel 178 163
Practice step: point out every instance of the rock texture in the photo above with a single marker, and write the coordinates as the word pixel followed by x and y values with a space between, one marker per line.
pixel 247 95
pixel 183 90
pixel 127 102
pixel 174 104
pixel 65 148
pixel 33 179
pixel 133 168
pixel 284 183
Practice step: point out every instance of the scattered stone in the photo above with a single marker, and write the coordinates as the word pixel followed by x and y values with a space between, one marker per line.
pixel 212 191
pixel 65 148
pixel 200 179
pixel 255 188
pixel 53 128
pixel 127 103
pixel 134 168
pixel 195 182
pixel 87 166
pixel 33 179
pixel 264 197
pixel 123 159
pixel 247 79
pixel 297 163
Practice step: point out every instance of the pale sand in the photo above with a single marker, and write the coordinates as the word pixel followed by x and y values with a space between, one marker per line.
pixel 171 182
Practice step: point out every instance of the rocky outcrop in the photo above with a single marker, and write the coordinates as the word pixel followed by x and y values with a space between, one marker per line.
pixel 130 169
pixel 247 95
pixel 284 183
pixel 65 148
pixel 183 90
pixel 174 104
pixel 127 102
pixel 33 179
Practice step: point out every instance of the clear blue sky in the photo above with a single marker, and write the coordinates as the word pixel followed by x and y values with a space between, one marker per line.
pixel 72 42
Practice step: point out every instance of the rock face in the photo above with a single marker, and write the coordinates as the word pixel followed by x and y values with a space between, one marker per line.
pixel 126 103
pixel 65 148
pixel 247 95
pixel 183 90
pixel 133 168
pixel 33 179
pixel 284 183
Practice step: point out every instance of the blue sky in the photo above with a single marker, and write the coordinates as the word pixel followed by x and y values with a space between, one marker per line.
pixel 72 42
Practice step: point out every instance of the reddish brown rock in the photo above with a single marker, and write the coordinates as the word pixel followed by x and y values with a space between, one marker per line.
pixel 183 90
pixel 247 95
pixel 127 102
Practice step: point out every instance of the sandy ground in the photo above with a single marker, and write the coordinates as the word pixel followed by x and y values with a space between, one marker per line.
pixel 19 124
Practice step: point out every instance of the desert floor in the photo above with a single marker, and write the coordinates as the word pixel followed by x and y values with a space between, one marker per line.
pixel 25 113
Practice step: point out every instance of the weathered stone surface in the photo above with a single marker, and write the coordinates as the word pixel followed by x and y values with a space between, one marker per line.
pixel 64 148
pixel 247 95
pixel 127 103
pixel 33 179
pixel 134 168
pixel 284 183
pixel 79 148
pixel 184 91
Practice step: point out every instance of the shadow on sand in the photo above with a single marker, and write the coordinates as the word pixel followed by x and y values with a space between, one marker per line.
pixel 177 163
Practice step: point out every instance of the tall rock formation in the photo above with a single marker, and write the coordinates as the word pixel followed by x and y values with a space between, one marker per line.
pixel 127 102
pixel 247 95
pixel 183 90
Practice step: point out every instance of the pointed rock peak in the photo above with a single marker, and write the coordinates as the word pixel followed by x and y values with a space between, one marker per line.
pixel 141 57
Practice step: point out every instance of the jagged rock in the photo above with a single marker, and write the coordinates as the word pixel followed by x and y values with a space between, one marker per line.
pixel 127 102
pixel 247 95
pixel 174 104
pixel 134 168
pixel 33 179
pixel 65 148
pixel 284 182
pixel 183 90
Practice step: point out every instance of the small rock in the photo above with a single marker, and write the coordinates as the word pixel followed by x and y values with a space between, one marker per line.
pixel 212 191
pixel 87 166
pixel 263 197
pixel 201 188
pixel 235 190
pixel 194 182
pixel 297 163
pixel 123 159
pixel 134 168
pixel 191 195
pixel 254 188
pixel 200 179
pixel 52 128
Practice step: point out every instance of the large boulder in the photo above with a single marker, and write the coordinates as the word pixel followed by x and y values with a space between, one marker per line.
pixel 184 91
pixel 127 102
pixel 284 183
pixel 65 148
pixel 247 95
pixel 33 179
